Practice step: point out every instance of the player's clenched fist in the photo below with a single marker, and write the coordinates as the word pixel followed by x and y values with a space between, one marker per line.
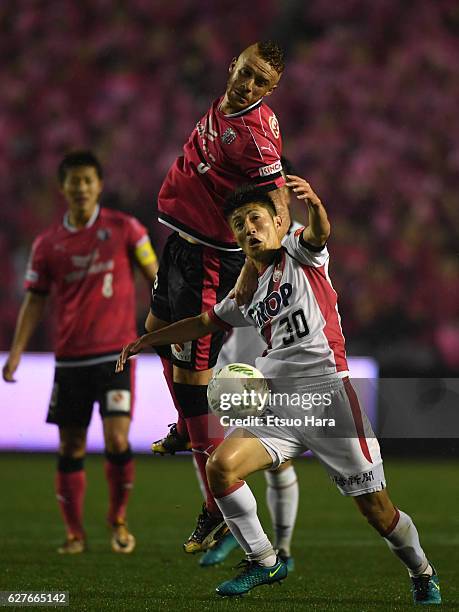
pixel 302 189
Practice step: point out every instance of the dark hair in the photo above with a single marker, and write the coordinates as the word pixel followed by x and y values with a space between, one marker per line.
pixel 76 159
pixel 272 52
pixel 248 194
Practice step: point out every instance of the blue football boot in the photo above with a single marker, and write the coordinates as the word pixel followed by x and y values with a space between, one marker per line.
pixel 289 562
pixel 218 553
pixel 253 574
pixel 426 589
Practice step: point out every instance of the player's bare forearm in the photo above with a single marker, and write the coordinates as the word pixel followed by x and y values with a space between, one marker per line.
pixel 281 199
pixel 318 230
pixel 246 283
pixel 29 316
pixel 182 331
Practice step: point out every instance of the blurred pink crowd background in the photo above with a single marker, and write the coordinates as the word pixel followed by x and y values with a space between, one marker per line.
pixel 368 107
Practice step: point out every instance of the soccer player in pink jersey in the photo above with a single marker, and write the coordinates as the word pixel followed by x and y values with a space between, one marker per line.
pixel 236 141
pixel 294 308
pixel 86 261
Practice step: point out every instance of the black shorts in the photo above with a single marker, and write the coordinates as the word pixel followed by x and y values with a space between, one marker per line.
pixel 191 279
pixel 77 388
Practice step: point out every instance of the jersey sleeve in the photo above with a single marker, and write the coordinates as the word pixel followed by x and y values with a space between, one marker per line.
pixel 304 252
pixel 38 277
pixel 227 314
pixel 139 242
pixel 261 159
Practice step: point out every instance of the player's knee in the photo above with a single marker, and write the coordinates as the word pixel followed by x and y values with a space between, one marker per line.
pixel 75 448
pixel 218 470
pixel 116 442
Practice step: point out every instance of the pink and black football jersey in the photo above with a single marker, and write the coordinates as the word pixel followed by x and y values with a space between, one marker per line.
pixel 223 152
pixel 295 310
pixel 90 273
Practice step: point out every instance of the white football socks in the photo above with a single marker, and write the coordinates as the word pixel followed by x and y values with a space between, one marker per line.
pixel 239 509
pixel 404 542
pixel 282 494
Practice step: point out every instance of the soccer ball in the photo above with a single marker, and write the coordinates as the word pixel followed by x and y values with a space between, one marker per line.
pixel 237 390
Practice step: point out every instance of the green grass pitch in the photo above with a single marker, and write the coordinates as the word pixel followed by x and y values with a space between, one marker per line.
pixel 341 564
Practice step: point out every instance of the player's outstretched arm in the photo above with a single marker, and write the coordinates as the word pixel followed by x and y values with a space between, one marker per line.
pixel 29 316
pixel 281 200
pixel 182 331
pixel 318 230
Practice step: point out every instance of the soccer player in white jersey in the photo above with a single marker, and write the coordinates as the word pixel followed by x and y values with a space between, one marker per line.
pixel 295 309
pixel 245 345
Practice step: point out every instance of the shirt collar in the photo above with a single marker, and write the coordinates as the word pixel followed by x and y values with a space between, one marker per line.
pixel 242 112
pixel 71 228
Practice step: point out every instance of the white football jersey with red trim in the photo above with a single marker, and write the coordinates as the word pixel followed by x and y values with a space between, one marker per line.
pixel 295 310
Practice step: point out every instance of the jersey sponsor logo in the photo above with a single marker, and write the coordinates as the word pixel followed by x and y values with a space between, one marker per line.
pixel 182 352
pixel 228 136
pixel 84 261
pixel 263 311
pixel 271 169
pixel 274 126
pixel 118 400
pixel 89 265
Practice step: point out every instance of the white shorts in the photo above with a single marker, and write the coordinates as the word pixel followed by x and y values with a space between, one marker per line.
pixel 348 448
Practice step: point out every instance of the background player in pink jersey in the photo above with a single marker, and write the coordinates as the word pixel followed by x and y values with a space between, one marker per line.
pixel 237 140
pixel 86 260
pixel 295 309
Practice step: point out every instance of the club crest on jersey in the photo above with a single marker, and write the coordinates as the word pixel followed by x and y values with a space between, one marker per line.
pixel 103 234
pixel 263 311
pixel 274 125
pixel 228 136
